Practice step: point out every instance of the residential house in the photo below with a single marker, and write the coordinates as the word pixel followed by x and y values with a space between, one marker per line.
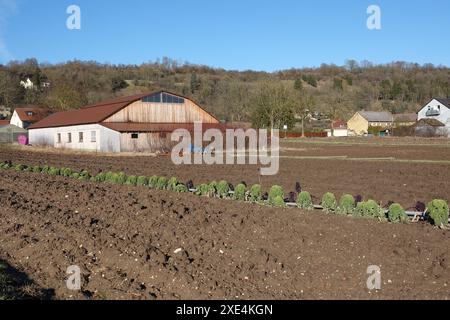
pixel 25 116
pixel 339 129
pixel 28 84
pixel 362 121
pixel 437 109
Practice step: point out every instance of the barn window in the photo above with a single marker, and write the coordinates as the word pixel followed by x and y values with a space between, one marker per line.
pixel 135 136
pixel 164 98
pixel 93 136
pixel 59 137
pixel 80 137
pixel 69 137
pixel 168 98
pixel 153 98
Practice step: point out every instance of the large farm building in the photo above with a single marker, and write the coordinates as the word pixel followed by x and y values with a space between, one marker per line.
pixel 142 122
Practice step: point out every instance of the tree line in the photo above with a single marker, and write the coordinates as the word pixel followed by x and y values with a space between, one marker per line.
pixel 266 99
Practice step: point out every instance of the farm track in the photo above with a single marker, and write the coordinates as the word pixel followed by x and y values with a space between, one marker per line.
pixel 404 182
pixel 125 238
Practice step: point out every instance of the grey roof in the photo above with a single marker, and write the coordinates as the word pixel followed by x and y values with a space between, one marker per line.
pixel 405 117
pixel 445 102
pixel 13 128
pixel 375 116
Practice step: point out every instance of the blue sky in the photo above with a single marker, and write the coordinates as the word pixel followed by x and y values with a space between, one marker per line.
pixel 231 34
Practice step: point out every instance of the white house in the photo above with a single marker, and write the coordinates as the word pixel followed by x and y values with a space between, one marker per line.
pixel 437 109
pixel 25 116
pixel 339 129
pixel 27 84
pixel 142 122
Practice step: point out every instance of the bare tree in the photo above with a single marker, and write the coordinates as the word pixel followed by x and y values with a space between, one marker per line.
pixel 273 106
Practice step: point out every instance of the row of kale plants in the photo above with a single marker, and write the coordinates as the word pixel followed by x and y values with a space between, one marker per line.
pixel 437 210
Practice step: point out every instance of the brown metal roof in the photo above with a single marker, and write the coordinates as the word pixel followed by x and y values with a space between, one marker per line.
pixel 339 124
pixel 4 123
pixel 159 127
pixel 89 115
pixel 37 113
pixel 94 113
pixel 119 100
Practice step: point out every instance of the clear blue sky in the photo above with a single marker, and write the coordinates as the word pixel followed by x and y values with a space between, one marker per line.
pixel 231 34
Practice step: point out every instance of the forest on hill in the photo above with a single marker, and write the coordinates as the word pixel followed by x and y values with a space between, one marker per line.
pixel 265 99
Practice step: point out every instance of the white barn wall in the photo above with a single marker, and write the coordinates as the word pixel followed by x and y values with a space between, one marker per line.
pixel 107 140
pixel 42 137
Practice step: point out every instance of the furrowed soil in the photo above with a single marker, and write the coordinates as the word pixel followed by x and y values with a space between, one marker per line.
pixel 137 243
pixel 408 178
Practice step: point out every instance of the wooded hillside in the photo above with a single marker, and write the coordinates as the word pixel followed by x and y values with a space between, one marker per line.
pixel 266 99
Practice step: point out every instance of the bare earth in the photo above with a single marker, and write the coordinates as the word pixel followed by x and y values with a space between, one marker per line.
pixel 125 238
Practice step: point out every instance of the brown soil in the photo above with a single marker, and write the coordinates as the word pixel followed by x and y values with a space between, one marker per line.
pixel 124 239
pixel 404 152
pixel 382 181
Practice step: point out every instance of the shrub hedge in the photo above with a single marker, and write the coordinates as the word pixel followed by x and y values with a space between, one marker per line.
pixel 240 192
pixel 274 193
pixel 304 201
pixel 329 203
pixel 347 204
pixel 370 209
pixel 172 184
pixel 256 193
pixel 439 212
pixel 397 214
pixel 223 189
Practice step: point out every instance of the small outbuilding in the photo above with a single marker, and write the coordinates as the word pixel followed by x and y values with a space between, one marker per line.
pixel 431 128
pixel 10 133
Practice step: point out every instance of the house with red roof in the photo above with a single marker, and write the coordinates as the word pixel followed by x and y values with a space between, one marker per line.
pixel 4 123
pixel 25 116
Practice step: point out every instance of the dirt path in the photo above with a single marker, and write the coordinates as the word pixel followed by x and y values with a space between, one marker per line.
pixel 125 239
